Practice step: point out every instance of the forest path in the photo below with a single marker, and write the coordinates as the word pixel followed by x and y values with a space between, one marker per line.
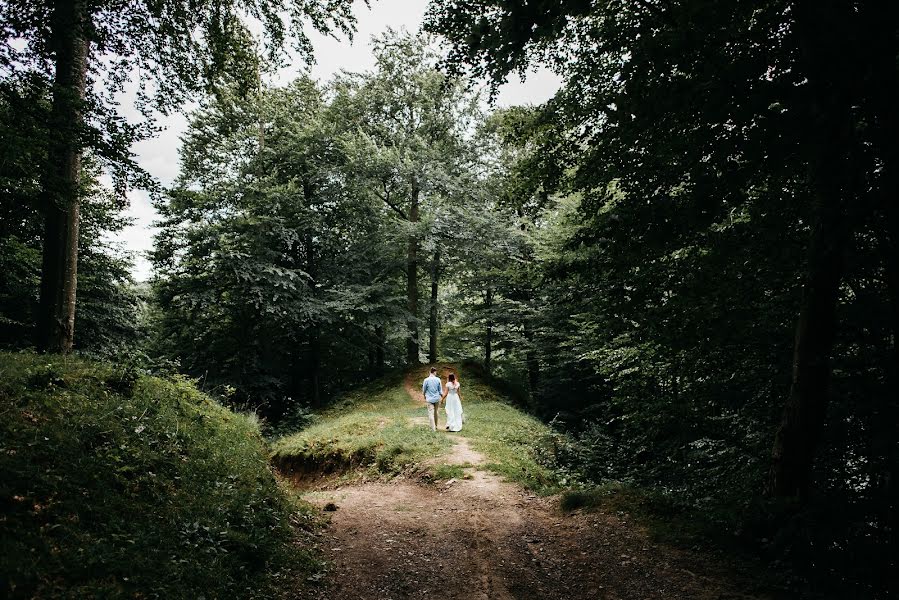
pixel 479 537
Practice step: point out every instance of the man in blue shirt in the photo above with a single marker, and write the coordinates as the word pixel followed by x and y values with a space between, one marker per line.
pixel 432 390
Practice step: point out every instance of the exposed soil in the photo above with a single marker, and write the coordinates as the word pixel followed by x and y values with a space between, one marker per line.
pixel 479 537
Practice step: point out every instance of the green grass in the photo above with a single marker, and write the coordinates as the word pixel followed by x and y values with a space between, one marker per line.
pixel 512 443
pixel 114 484
pixel 446 472
pixel 371 432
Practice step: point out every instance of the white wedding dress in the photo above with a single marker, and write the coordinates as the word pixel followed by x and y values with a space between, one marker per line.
pixel 453 407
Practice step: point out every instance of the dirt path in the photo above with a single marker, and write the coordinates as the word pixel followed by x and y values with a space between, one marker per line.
pixel 480 538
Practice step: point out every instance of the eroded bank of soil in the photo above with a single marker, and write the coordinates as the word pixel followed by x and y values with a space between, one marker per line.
pixel 478 537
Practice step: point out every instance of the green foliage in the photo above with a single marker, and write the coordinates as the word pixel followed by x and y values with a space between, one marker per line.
pixel 116 484
pixel 282 259
pixel 274 275
pixel 181 49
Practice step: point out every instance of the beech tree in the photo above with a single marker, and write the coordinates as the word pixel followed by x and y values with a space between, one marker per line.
pixel 408 139
pixel 90 50
pixel 108 304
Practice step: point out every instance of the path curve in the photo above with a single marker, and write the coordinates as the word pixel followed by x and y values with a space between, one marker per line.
pixel 481 538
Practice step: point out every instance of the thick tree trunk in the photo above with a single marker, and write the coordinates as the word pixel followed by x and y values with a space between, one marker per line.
pixel 432 329
pixel 52 261
pixel 796 440
pixel 830 176
pixel 488 333
pixel 879 22
pixel 62 178
pixel 887 422
pixel 887 446
pixel 412 343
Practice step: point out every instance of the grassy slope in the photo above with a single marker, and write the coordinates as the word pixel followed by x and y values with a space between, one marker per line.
pixel 371 432
pixel 119 485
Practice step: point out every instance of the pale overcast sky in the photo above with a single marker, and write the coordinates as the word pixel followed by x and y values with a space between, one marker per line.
pixel 159 156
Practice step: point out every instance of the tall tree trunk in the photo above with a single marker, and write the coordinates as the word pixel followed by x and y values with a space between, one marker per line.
pixel 530 356
pixel 886 447
pixel 533 364
pixel 412 343
pixel 886 423
pixel 379 349
pixel 314 366
pixel 796 441
pixel 52 262
pixel 830 176
pixel 432 330
pixel 62 178
pixel 488 334
pixel 313 363
pixel 260 107
pixel 881 24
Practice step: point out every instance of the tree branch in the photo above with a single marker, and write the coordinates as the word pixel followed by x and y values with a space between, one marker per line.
pixel 386 198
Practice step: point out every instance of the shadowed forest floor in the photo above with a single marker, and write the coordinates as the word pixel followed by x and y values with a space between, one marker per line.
pixel 477 536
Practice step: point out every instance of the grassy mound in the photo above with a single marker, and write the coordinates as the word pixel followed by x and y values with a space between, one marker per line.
pixel 115 484
pixel 379 430
pixel 517 446
pixel 372 429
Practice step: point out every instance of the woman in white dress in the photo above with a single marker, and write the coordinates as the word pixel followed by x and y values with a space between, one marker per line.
pixel 453 404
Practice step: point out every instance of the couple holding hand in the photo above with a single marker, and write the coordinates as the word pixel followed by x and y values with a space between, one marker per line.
pixel 432 390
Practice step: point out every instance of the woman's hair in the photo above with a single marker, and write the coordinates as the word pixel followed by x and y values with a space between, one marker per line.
pixel 451 377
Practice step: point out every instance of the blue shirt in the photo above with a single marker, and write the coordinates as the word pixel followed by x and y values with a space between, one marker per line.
pixel 432 388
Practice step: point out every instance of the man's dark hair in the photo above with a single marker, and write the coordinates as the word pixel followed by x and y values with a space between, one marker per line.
pixel 433 369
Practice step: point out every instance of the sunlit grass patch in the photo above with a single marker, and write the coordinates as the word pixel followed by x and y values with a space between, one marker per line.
pixel 372 430
pixel 511 441
pixel 445 472
pixel 380 430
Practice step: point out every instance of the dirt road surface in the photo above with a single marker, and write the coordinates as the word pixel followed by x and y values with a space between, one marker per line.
pixel 481 538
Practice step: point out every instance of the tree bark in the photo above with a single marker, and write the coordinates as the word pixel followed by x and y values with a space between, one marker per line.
pixel 435 281
pixel 881 22
pixel 533 363
pixel 830 176
pixel 314 366
pixel 488 334
pixel 796 441
pixel 412 343
pixel 878 20
pixel 313 363
pixel 885 447
pixel 379 349
pixel 62 178
pixel 886 423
